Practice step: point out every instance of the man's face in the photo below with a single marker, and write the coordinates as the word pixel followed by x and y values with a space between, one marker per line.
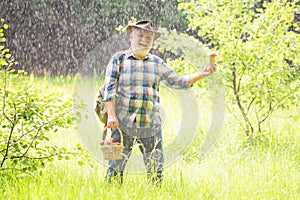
pixel 141 41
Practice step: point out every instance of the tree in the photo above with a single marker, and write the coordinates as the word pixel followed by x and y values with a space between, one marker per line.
pixel 258 53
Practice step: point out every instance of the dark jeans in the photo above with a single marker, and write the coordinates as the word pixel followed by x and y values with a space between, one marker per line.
pixel 150 147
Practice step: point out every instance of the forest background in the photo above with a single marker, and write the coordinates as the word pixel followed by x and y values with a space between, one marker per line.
pixel 257 154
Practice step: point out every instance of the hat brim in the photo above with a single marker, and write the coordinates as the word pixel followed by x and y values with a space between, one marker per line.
pixel 129 30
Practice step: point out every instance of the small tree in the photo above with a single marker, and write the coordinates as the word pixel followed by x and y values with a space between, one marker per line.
pixel 27 115
pixel 258 53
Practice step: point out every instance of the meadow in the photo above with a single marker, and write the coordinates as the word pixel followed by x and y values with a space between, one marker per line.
pixel 265 166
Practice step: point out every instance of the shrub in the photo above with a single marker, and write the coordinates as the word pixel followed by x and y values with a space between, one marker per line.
pixel 28 116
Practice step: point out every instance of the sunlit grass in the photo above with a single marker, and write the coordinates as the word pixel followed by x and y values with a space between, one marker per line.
pixel 228 173
pixel 264 167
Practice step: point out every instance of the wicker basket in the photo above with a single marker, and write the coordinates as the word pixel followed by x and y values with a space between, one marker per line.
pixel 111 150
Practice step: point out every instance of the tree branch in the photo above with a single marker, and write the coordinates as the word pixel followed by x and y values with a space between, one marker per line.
pixel 39 127
pixel 242 74
pixel 250 104
pixel 30 145
pixel 7 146
pixel 10 121
pixel 249 127
pixel 267 114
pixel 20 170
pixel 44 157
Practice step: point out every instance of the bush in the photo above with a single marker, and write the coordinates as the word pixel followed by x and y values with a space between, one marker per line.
pixel 28 115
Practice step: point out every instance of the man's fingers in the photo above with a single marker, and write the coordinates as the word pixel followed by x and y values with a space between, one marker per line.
pixel 108 125
pixel 211 67
pixel 112 125
pixel 115 125
pixel 214 67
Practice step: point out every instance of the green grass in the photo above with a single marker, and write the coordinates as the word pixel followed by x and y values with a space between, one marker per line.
pixel 228 173
pixel 264 167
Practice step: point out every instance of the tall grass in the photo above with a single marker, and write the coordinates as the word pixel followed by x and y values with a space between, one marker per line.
pixel 263 167
pixel 228 173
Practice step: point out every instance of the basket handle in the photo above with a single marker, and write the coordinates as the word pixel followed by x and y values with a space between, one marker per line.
pixel 104 131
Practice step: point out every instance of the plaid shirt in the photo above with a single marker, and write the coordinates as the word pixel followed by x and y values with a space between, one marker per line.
pixel 138 87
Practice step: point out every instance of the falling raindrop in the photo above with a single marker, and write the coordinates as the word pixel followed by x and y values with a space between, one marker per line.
pixel 52 37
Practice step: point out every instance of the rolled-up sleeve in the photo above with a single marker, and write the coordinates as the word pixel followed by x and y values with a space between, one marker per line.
pixel 171 79
pixel 110 81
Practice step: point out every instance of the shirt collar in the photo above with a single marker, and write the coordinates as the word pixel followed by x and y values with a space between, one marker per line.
pixel 129 53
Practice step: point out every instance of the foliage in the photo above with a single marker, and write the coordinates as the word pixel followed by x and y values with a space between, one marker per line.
pixel 189 53
pixel 28 115
pixel 258 53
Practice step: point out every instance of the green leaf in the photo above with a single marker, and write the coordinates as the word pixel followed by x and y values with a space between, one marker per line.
pixel 59 157
pixel 8 55
pixel 42 164
pixel 2 62
pixel 63 149
pixel 69 121
pixel 80 163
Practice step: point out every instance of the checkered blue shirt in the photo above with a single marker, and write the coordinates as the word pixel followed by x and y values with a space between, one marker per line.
pixel 137 90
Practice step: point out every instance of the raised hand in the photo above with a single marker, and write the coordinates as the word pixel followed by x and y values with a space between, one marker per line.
pixel 211 67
